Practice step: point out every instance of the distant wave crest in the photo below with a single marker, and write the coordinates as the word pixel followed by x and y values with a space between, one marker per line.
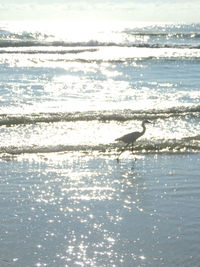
pixel 92 43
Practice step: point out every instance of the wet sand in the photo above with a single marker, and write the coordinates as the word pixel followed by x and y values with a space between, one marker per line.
pixel 71 209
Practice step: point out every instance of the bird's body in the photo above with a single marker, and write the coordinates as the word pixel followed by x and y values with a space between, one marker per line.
pixel 130 138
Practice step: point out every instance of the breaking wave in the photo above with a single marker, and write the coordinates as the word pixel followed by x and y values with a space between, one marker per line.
pixel 184 145
pixel 104 116
pixel 157 36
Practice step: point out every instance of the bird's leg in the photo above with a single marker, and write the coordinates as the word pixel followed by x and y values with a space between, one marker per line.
pixel 123 150
pixel 132 150
pixel 132 147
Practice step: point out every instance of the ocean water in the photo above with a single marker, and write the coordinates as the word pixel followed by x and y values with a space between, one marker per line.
pixel 67 91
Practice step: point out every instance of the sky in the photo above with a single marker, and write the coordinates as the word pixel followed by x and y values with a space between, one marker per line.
pixel 116 10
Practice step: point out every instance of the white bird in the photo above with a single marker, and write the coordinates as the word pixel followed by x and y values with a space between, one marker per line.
pixel 130 138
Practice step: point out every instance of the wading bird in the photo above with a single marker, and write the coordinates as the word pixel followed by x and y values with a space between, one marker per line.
pixel 131 137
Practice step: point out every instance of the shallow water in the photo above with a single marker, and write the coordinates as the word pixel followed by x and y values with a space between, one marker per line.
pixel 90 210
pixel 64 99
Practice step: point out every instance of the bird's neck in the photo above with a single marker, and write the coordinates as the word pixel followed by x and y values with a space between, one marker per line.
pixel 144 129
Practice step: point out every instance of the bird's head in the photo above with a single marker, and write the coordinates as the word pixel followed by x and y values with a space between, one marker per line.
pixel 145 121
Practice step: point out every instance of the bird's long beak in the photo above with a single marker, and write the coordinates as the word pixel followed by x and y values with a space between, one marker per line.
pixel 149 122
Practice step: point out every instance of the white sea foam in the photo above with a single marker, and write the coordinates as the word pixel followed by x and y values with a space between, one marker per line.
pixel 108 78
